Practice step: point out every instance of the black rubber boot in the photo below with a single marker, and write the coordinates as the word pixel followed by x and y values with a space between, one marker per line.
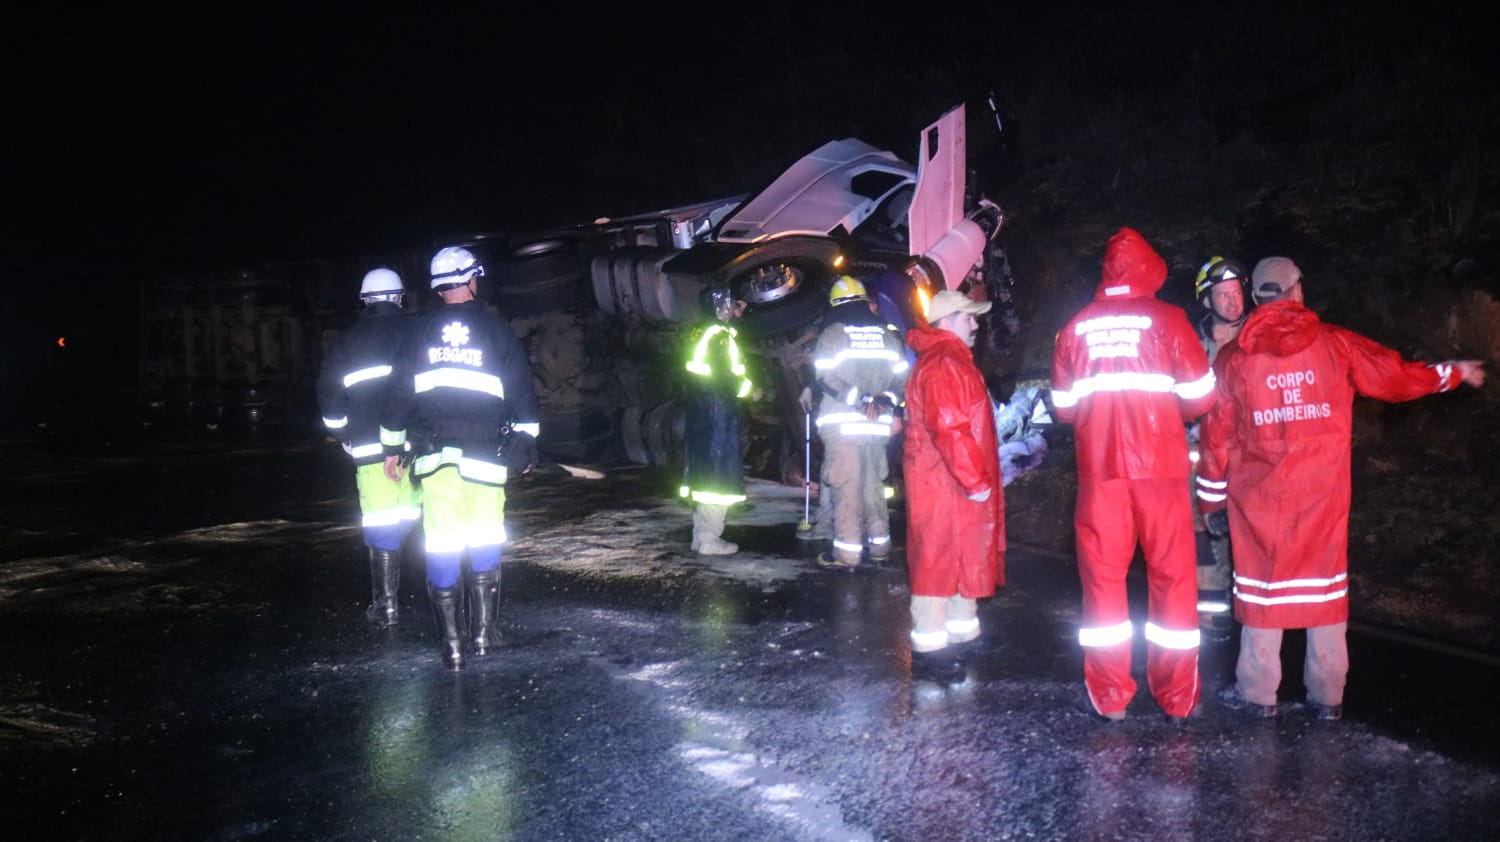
pixel 484 609
pixel 385 587
pixel 446 613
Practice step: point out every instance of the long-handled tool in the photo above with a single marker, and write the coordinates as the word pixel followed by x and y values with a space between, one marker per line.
pixel 805 525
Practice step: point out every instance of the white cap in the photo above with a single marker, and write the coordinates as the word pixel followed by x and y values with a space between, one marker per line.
pixel 951 301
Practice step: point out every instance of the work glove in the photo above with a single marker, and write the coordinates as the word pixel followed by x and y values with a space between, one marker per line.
pixel 980 496
pixel 875 406
pixel 518 451
pixel 1217 523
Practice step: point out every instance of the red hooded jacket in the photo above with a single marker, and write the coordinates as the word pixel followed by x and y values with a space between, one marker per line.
pixel 1277 446
pixel 1128 372
pixel 953 544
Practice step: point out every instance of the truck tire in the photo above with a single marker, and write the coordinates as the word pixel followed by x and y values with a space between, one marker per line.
pixel 539 276
pixel 788 315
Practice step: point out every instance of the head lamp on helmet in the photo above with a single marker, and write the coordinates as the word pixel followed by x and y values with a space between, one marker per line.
pixel 453 266
pixel 847 288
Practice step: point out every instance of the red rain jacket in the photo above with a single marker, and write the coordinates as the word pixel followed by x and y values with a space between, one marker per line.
pixel 1277 444
pixel 1128 372
pixel 953 544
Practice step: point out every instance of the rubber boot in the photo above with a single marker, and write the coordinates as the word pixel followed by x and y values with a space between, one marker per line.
pixel 709 542
pixel 446 613
pixel 484 609
pixel 385 587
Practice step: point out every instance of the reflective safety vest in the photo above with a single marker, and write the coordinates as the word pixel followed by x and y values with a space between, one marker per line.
pixel 699 363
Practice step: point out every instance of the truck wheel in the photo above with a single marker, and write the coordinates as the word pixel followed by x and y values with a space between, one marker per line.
pixel 540 276
pixel 788 315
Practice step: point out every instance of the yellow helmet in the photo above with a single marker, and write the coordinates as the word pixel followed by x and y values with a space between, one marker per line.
pixel 1216 271
pixel 847 288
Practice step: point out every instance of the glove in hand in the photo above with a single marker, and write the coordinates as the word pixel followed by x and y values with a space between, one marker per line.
pixel 518 452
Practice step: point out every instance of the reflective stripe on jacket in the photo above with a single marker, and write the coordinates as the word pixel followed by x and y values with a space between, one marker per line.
pixel 1128 372
pixel 353 375
pixel 1276 451
pixel 953 544
pixel 462 375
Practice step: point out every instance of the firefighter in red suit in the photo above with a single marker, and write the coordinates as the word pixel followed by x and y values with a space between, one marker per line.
pixel 955 543
pixel 1276 451
pixel 1129 373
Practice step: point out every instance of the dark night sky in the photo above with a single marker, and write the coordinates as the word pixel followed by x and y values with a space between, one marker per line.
pixel 140 142
pixel 219 136
pixel 223 135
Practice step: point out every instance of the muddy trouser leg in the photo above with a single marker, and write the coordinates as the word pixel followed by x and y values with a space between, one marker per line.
pixel 963 619
pixel 823 528
pixel 1326 667
pixel 1164 520
pixel 929 623
pixel 877 514
pixel 710 540
pixel 1106 544
pixel 843 460
pixel 1258 671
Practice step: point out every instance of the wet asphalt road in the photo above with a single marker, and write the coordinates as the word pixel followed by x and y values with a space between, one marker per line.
pixel 183 656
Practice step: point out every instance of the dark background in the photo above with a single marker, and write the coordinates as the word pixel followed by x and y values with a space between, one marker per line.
pixel 141 143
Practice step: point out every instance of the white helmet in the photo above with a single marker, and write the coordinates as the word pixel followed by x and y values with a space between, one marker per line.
pixel 454 265
pixel 380 284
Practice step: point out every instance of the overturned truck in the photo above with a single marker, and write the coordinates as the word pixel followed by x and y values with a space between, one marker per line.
pixel 604 307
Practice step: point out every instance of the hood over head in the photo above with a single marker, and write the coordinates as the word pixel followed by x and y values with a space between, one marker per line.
pixel 1280 328
pixel 1132 269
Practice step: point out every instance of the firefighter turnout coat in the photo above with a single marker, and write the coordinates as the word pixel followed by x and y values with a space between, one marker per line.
pixel 1277 452
pixel 954 545
pixel 353 376
pixel 461 377
pixel 860 364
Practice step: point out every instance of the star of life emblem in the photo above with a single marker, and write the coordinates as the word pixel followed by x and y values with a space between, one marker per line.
pixel 456 333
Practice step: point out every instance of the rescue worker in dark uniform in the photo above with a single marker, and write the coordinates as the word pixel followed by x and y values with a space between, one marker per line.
pixel 351 384
pixel 713 465
pixel 861 365
pixel 461 396
pixel 1220 287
